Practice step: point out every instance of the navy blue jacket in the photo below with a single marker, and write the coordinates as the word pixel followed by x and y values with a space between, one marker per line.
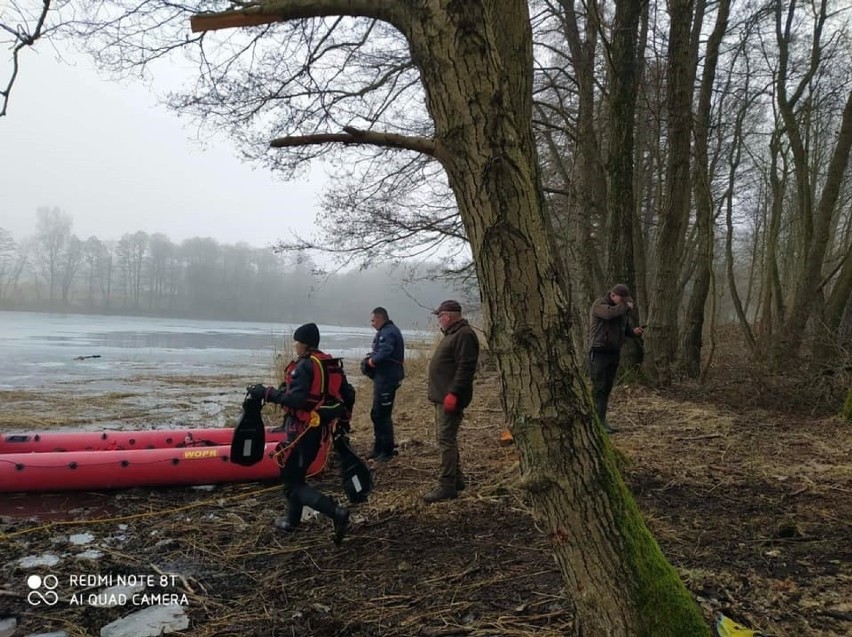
pixel 388 353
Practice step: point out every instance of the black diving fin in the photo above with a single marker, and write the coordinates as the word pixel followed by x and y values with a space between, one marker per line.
pixel 249 440
pixel 357 479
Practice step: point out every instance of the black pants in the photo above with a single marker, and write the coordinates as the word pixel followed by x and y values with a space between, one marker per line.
pixel 603 367
pixel 294 474
pixel 384 396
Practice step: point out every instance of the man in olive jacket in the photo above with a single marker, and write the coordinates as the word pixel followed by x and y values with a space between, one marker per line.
pixel 610 327
pixel 451 373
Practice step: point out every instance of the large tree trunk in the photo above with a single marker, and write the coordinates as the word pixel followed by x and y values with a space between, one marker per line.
pixel 591 187
pixel 622 114
pixel 665 296
pixel 704 204
pixel 475 60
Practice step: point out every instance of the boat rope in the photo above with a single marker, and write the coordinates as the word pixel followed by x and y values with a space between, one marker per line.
pixel 282 450
pixel 135 516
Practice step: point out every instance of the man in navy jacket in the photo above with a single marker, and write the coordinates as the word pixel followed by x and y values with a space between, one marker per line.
pixel 385 365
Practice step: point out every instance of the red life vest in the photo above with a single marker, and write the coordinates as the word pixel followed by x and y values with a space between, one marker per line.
pixel 325 386
pixel 323 406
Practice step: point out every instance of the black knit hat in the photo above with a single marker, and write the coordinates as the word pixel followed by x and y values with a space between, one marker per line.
pixel 307 334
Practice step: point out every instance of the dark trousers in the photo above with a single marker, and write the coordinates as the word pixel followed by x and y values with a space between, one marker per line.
pixel 294 473
pixel 603 368
pixel 384 396
pixel 446 433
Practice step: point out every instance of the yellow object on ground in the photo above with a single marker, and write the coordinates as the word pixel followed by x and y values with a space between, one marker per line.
pixel 506 438
pixel 727 627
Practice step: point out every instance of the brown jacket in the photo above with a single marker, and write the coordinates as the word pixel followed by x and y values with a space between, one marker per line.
pixel 453 365
pixel 610 325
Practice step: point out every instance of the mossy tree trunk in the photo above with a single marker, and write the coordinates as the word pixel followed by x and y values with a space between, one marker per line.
pixel 475 60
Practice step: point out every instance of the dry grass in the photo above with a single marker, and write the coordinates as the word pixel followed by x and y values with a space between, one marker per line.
pixel 751 505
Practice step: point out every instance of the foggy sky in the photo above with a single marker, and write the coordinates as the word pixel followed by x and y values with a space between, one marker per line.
pixel 108 155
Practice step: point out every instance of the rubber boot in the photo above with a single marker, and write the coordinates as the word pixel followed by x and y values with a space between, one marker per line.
pixel 341 524
pixel 441 493
pixel 290 522
pixel 328 507
pixel 461 483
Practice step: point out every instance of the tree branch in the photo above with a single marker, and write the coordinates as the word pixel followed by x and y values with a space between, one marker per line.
pixel 23 39
pixel 356 136
pixel 282 10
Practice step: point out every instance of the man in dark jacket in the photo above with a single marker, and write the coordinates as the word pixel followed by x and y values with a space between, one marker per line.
pixel 451 372
pixel 301 396
pixel 386 366
pixel 610 326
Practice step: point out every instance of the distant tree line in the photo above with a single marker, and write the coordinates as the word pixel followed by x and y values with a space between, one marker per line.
pixel 142 273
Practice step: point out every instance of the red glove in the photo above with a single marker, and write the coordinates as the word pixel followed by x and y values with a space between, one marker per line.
pixel 451 403
pixel 370 362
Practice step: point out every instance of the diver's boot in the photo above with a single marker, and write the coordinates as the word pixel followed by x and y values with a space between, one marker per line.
pixel 341 524
pixel 460 481
pixel 289 522
pixel 328 507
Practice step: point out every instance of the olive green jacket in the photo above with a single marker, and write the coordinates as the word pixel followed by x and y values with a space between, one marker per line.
pixel 454 363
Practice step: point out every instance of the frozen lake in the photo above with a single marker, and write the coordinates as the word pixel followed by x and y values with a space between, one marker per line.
pixel 39 350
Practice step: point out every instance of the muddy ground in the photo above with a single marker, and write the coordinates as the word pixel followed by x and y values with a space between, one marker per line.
pixel 747 493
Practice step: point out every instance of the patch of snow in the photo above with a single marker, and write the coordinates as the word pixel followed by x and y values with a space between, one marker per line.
pixel 81 538
pixel 150 622
pixel 8 626
pixel 90 554
pixel 33 561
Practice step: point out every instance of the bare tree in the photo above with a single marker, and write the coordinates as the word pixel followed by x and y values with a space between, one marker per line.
pixel 53 232
pixel 704 201
pixel 71 259
pixel 475 63
pixel 12 263
pixel 674 216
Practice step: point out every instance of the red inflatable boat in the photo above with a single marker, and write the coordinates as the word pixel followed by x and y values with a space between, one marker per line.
pixel 119 440
pixel 55 461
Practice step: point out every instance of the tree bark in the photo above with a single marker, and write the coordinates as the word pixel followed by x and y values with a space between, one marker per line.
pixel 665 296
pixel 622 200
pixel 808 286
pixel 704 204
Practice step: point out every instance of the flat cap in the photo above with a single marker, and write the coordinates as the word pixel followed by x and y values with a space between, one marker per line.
pixel 448 306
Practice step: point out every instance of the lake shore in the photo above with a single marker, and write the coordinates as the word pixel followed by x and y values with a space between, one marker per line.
pixel 743 502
